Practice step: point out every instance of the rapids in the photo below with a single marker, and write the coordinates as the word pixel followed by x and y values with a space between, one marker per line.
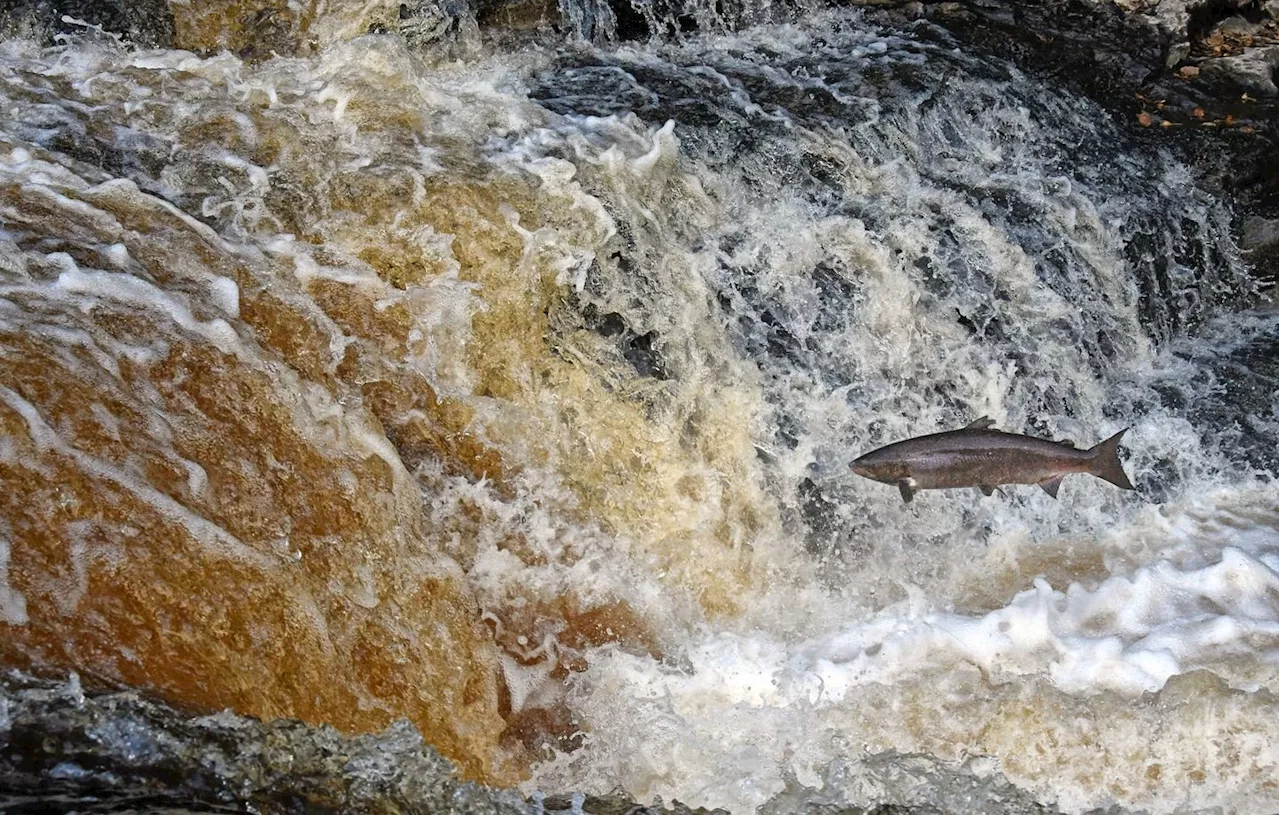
pixel 511 390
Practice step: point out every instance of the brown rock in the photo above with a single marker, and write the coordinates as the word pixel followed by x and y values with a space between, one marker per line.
pixel 186 514
pixel 255 29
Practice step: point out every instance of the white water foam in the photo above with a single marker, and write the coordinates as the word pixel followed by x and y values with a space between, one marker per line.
pixel 737 714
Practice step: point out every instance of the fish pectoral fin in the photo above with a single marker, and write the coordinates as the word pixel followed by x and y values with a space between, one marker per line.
pixel 987 489
pixel 1065 443
pixel 1050 485
pixel 908 491
pixel 980 424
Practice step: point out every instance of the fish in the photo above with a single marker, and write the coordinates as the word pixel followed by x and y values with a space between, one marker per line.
pixel 977 456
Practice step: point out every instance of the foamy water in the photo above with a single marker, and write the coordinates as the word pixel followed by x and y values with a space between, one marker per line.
pixel 515 395
pixel 1068 686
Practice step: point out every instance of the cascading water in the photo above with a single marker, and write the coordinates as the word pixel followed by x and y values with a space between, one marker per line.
pixel 515 395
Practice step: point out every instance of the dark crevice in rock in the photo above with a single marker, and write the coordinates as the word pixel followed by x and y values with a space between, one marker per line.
pixel 1204 18
pixel 640 350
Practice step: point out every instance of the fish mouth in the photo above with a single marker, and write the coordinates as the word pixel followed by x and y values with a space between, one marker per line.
pixel 860 469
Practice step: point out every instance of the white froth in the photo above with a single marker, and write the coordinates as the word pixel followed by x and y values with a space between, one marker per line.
pixel 1125 636
pixel 121 287
pixel 13 605
pixel 225 294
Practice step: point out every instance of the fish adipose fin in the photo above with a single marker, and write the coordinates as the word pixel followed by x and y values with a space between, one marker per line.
pixel 908 491
pixel 987 489
pixel 1106 462
pixel 980 424
pixel 1051 485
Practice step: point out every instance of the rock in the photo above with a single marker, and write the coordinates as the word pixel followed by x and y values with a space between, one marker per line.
pixel 256 29
pixel 1170 17
pixel 87 749
pixel 1252 73
pixel 64 749
pixel 207 519
pixel 112 752
pixel 1259 245
pixel 1238 25
pixel 147 23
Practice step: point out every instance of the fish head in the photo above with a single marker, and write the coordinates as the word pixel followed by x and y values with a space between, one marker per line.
pixel 879 467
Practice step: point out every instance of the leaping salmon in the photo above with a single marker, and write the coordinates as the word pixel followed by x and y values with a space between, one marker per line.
pixel 977 456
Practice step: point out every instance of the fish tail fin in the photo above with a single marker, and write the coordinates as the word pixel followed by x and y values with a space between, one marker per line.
pixel 1106 462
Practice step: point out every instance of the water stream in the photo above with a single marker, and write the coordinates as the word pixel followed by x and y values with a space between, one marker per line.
pixel 514 394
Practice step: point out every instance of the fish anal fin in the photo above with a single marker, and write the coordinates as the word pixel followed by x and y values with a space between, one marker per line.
pixel 980 424
pixel 1050 485
pixel 987 489
pixel 908 491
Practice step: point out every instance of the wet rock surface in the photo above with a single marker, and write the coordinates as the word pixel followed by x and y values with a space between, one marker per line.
pixel 63 749
pixel 147 23
pixel 1238 355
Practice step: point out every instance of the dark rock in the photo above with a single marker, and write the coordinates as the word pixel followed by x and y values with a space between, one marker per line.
pixel 1253 73
pixel 1233 395
pixel 63 749
pixel 146 23
pixel 1258 242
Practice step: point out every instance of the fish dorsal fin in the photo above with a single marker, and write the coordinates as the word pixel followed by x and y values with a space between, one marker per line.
pixel 1051 485
pixel 987 489
pixel 980 424
pixel 908 491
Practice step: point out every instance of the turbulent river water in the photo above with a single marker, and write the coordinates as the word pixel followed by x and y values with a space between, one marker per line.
pixel 513 393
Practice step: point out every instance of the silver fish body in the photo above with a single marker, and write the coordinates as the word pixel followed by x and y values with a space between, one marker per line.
pixel 977 456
